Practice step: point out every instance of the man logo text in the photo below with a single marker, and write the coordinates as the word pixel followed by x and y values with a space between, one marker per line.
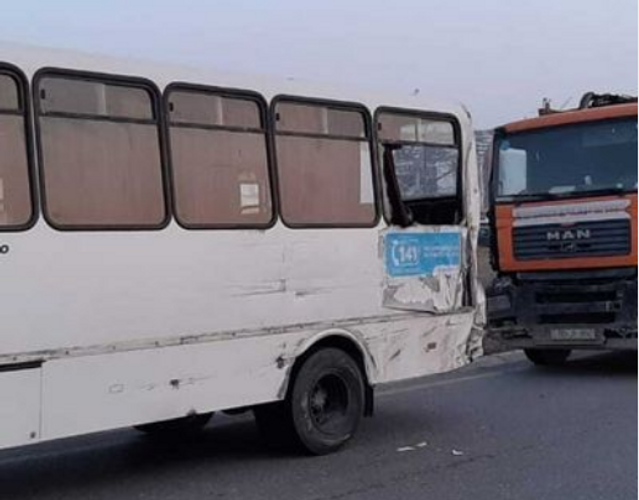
pixel 569 235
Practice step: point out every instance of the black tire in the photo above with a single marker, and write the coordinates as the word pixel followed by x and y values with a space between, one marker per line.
pixel 185 426
pixel 547 357
pixel 323 409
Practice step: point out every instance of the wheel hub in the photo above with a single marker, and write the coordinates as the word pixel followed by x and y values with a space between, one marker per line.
pixel 329 402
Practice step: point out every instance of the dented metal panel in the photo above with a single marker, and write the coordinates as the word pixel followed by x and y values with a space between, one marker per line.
pixel 108 390
pixel 424 268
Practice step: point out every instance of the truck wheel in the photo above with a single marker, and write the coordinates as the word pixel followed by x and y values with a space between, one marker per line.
pixel 323 409
pixel 190 424
pixel 547 357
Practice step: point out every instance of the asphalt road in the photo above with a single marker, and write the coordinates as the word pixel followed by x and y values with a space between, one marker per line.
pixel 499 429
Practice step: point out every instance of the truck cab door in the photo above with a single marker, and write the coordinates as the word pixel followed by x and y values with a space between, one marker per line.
pixel 426 266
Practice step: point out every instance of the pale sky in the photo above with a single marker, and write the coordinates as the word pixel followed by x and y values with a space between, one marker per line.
pixel 498 57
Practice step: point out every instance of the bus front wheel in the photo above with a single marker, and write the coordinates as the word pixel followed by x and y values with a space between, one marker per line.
pixel 323 409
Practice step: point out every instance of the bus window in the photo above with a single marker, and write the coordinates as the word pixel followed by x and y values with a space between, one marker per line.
pixel 101 156
pixel 94 98
pixel 219 160
pixel 204 108
pixel 9 100
pixel 424 156
pixel 324 165
pixel 407 128
pixel 15 198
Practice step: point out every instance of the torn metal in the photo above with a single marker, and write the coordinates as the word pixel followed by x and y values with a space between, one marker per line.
pixel 424 268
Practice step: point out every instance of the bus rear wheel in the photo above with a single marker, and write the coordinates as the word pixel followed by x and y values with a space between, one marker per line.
pixel 547 357
pixel 323 409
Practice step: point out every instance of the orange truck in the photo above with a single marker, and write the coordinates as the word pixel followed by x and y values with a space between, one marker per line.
pixel 563 217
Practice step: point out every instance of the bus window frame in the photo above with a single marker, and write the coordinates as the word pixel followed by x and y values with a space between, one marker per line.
pixel 157 120
pixel 368 138
pixel 25 111
pixel 458 139
pixel 263 109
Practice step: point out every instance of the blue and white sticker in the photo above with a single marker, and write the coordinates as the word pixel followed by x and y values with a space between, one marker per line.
pixel 421 254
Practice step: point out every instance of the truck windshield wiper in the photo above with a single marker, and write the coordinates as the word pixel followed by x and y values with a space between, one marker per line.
pixel 603 191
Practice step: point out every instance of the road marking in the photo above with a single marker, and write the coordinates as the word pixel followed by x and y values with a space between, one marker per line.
pixel 441 383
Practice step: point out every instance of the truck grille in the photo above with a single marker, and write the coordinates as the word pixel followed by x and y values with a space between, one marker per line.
pixel 586 239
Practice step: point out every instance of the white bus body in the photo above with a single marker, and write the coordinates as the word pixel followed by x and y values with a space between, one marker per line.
pixel 106 329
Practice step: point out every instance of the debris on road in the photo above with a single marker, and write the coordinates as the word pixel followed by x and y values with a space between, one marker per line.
pixel 422 444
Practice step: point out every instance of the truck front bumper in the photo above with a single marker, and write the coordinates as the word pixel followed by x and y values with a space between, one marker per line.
pixel 581 310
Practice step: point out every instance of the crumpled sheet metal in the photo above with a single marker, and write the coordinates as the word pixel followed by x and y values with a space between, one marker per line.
pixel 439 293
pixel 433 344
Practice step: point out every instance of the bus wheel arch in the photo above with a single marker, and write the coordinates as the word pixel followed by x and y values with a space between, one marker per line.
pixel 326 395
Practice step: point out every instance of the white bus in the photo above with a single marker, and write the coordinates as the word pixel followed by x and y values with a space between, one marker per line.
pixel 175 242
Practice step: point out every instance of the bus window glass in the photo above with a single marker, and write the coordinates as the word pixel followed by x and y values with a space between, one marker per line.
pixel 199 108
pixel 100 172
pixel 435 132
pixel 9 100
pixel 195 108
pixel 92 98
pixel 15 197
pixel 408 128
pixel 345 124
pixel 301 118
pixel 426 171
pixel 221 174
pixel 324 180
pixel 319 120
pixel 425 161
pixel 425 154
pixel 241 113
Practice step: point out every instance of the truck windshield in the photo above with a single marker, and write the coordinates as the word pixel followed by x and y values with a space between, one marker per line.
pixel 572 159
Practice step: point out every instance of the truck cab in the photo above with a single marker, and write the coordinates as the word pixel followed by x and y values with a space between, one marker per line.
pixel 564 220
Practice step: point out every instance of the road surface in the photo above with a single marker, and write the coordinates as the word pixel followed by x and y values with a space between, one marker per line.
pixel 499 429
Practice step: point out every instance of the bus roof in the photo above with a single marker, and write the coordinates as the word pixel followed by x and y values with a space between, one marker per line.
pixel 573 116
pixel 32 58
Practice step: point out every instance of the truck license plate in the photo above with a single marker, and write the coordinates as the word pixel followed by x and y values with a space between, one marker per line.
pixel 573 334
